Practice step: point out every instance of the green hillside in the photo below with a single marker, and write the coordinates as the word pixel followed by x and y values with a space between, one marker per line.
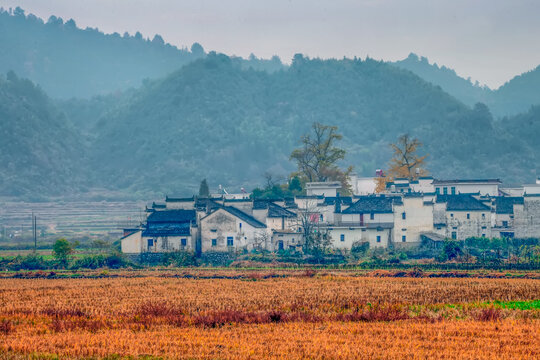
pixel 212 119
pixel 38 148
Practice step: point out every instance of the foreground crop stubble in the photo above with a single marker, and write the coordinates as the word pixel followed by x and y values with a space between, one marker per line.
pixel 291 317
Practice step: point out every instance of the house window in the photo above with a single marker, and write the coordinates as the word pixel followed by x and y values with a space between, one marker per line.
pixel 468 216
pixel 403 216
pixel 437 191
pixel 378 238
pixel 403 238
pixel 505 223
pixel 150 242
pixel 483 235
pixel 214 242
pixel 240 226
pixel 451 215
pixel 484 227
pixel 230 241
pixel 483 216
pixel 183 242
pixel 445 191
pixel 372 216
pixel 454 235
pixel 322 217
pixel 342 237
pixel 280 245
pixel 453 190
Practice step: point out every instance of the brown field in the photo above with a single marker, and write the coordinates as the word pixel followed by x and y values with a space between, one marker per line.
pixel 302 316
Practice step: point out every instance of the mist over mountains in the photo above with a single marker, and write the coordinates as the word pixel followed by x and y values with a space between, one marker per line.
pixel 143 118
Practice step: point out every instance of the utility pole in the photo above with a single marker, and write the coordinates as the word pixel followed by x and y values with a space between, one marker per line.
pixel 34 231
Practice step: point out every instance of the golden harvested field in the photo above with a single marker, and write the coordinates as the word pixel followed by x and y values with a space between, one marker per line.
pixel 314 316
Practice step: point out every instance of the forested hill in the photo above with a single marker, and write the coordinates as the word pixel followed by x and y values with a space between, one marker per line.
pixel 514 97
pixel 212 119
pixel 68 61
pixel 39 152
pixel 446 78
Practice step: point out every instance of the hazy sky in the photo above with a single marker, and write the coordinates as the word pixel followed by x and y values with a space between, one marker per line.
pixel 489 40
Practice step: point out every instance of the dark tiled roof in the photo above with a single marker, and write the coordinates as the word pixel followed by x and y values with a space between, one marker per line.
pixel 464 181
pixel 505 205
pixel 331 200
pixel 276 211
pixel 172 216
pixel 167 229
pixel 158 206
pixel 245 217
pixel 461 202
pixel 176 199
pixel 370 204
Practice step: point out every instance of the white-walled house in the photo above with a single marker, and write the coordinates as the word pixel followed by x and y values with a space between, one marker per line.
pixel 413 216
pixel 464 216
pixel 473 186
pixel 228 228
pixel 164 231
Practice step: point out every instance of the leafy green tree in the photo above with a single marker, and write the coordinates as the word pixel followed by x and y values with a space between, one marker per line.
pixel 61 250
pixel 317 158
pixel 451 250
pixel 295 186
pixel 204 190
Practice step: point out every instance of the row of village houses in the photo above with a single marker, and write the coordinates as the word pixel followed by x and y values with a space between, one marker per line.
pixel 406 214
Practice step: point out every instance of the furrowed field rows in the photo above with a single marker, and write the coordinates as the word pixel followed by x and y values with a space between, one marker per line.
pixel 320 316
pixel 316 295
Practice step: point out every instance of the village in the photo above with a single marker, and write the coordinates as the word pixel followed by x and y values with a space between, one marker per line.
pixel 405 214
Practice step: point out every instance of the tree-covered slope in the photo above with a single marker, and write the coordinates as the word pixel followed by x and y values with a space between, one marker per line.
pixel 514 97
pixel 38 148
pixel 68 61
pixel 462 89
pixel 212 119
pixel 518 94
pixel 71 62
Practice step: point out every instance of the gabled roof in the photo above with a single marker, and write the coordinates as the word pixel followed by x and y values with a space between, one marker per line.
pixel 462 202
pixel 505 205
pixel 276 211
pixel 178 199
pixel 241 215
pixel 331 200
pixel 370 204
pixel 172 216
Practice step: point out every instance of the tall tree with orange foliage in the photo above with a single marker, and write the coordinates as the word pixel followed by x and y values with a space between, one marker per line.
pixel 405 163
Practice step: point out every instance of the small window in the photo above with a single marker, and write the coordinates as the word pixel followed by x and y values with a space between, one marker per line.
pixel 378 238
pixel 437 191
pixel 454 235
pixel 183 242
pixel 445 191
pixel 372 216
pixel 483 216
pixel 150 242
pixel 484 227
pixel 213 230
pixel 403 216
pixel 342 237
pixel 483 235
pixel 280 245
pixel 451 215
pixel 403 238
pixel 505 223
pixel 214 242
pixel 453 190
pixel 468 216
pixel 240 226
pixel 230 241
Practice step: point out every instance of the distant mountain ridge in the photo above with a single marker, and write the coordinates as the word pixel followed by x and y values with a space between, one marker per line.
pixel 515 96
pixel 69 62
